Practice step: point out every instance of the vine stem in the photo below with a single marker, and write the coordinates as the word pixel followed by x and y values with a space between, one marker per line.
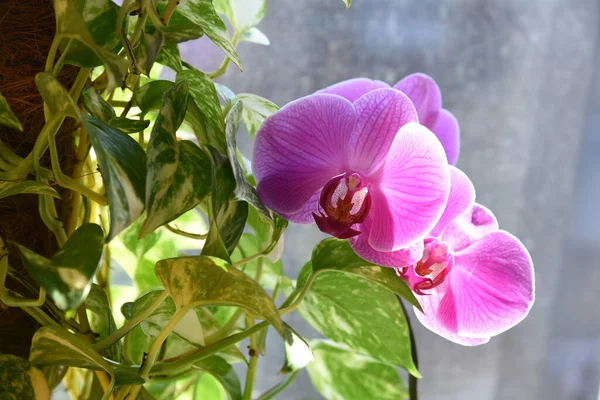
pixel 412 381
pixel 198 236
pixel 132 323
pixel 254 346
pixel 223 67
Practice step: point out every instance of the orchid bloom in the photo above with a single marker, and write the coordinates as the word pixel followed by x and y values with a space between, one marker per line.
pixel 365 170
pixel 424 93
pixel 473 281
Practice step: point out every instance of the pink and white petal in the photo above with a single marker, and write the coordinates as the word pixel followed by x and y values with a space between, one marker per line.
pixel 430 318
pixel 305 214
pixel 394 259
pixel 492 286
pixel 299 148
pixel 469 227
pixel 460 200
pixel 379 116
pixel 447 130
pixel 412 189
pixel 353 89
pixel 425 95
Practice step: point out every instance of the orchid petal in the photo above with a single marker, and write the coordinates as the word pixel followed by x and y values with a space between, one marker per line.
pixel 469 227
pixel 394 259
pixel 460 199
pixel 448 132
pixel 301 147
pixel 490 289
pixel 413 187
pixel 379 116
pixel 305 214
pixel 425 95
pixel 353 89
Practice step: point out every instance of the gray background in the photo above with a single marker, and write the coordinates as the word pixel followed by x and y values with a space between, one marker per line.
pixel 522 78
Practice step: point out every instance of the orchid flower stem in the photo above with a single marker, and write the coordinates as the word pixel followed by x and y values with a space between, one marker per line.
pixel 412 381
pixel 186 234
pixel 132 323
pixel 154 351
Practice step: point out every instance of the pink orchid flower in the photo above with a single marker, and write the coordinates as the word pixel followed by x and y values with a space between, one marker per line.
pixel 473 281
pixel 364 170
pixel 424 93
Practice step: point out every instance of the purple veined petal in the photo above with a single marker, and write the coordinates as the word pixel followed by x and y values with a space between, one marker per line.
pixel 353 89
pixel 430 320
pixel 425 95
pixel 299 148
pixel 492 287
pixel 470 227
pixel 394 259
pixel 460 200
pixel 305 214
pixel 379 116
pixel 412 190
pixel 447 130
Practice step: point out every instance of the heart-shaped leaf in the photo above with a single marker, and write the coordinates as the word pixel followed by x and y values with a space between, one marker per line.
pixel 149 96
pixel 193 281
pixel 243 14
pixel 256 110
pixel 146 51
pixel 100 109
pixel 340 373
pixel 57 98
pixel 7 116
pixel 67 275
pixel 102 321
pixel 179 172
pixel 224 373
pixel 123 165
pixel 298 353
pixel 169 56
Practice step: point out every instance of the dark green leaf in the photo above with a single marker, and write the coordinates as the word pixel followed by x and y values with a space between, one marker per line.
pixel 146 51
pixel 169 56
pixel 180 27
pixel 8 189
pixel 96 106
pixel 179 172
pixel 339 373
pixel 7 116
pixel 149 97
pixel 194 281
pixel 224 373
pixel 124 377
pixel 67 275
pixel 102 321
pixel 123 165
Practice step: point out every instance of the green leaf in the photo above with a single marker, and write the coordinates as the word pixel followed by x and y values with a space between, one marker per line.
pixel 243 14
pixel 169 56
pixel 338 373
pixel 7 116
pixel 268 230
pixel 271 271
pixel 256 110
pixel 124 377
pixel 194 281
pixel 337 255
pixel 298 353
pixel 100 17
pixel 70 24
pixel 254 35
pixel 209 114
pixel 180 27
pixel 224 373
pixel 179 172
pixel 8 189
pixel 244 190
pixel 123 165
pixel 102 321
pixel 360 314
pixel 55 96
pixel 67 275
pixel 348 3
pixel 146 51
pixel 149 97
pixel 203 14
pixel 15 378
pixel 96 106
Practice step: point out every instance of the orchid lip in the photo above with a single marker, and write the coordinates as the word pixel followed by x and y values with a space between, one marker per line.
pixel 431 270
pixel 345 200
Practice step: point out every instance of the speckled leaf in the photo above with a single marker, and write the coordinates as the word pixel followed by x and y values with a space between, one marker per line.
pixel 99 108
pixel 203 14
pixel 360 314
pixel 7 116
pixel 256 110
pixel 179 172
pixel 67 275
pixel 15 378
pixel 56 97
pixel 146 51
pixel 8 189
pixel 210 116
pixel 102 321
pixel 100 17
pixel 244 190
pixel 298 353
pixel 70 24
pixel 180 27
pixel 338 373
pixel 193 281
pixel 254 35
pixel 222 372
pixel 123 165
pixel 169 56
pixel 337 255
pixel 52 345
pixel 149 96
